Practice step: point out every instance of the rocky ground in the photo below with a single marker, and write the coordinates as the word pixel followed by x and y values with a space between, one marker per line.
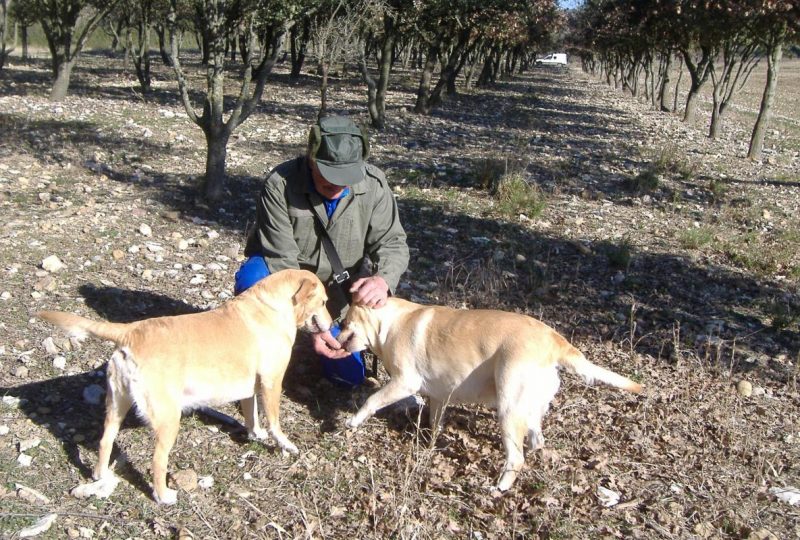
pixel 661 254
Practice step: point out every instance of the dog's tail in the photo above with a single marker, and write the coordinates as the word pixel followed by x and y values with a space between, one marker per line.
pixel 575 361
pixel 81 327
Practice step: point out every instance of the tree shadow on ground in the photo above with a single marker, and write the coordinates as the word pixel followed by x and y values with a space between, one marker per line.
pixel 54 141
pixel 596 289
pixel 58 405
pixel 119 305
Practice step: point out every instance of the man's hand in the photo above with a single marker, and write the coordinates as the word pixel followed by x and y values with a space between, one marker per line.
pixel 326 345
pixel 370 291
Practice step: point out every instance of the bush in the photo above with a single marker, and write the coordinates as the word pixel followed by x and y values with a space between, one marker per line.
pixel 489 172
pixel 696 237
pixel 515 195
pixel 620 255
pixel 644 182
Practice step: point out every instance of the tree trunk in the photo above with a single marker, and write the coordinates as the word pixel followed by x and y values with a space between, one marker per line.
pixel 298 47
pixel 774 55
pixel 24 34
pixel 662 91
pixel 384 67
pixel 372 91
pixel 713 129
pixel 699 75
pixel 323 89
pixel 115 32
pixel 4 51
pixel 213 188
pixel 61 83
pixel 487 74
pixel 162 42
pixel 677 85
pixel 422 106
pixel 141 59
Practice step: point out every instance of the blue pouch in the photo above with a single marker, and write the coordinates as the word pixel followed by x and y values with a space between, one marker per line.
pixel 347 371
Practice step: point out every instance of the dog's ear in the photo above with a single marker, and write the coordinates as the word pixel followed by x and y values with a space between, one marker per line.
pixel 300 300
pixel 304 292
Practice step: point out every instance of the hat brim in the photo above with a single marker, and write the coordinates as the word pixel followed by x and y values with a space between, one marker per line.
pixel 342 174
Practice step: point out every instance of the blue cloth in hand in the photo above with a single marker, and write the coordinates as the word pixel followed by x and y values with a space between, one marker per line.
pixel 348 371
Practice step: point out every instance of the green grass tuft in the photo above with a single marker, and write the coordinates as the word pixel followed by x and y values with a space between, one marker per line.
pixel 515 195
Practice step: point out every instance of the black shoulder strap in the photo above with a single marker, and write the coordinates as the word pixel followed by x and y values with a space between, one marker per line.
pixel 341 277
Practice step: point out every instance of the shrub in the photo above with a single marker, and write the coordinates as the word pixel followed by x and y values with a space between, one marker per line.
pixel 696 237
pixel 488 173
pixel 644 182
pixel 515 195
pixel 620 255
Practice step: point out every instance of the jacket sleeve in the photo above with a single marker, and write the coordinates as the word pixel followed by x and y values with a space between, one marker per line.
pixel 386 240
pixel 274 234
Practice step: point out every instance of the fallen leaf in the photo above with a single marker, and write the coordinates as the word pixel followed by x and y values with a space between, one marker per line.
pixel 39 527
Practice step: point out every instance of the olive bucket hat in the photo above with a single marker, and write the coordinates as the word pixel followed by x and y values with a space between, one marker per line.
pixel 339 147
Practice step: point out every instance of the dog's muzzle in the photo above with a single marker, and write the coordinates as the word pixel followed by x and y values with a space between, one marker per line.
pixel 318 325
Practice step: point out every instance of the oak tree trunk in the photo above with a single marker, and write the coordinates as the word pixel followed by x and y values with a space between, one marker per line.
pixel 765 111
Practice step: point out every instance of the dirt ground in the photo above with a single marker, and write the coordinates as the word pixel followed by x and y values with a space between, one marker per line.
pixel 661 254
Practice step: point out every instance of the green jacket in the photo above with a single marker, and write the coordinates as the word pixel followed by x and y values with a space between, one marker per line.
pixel 365 225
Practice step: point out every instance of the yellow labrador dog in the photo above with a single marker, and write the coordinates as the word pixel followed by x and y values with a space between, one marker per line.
pixel 501 359
pixel 165 365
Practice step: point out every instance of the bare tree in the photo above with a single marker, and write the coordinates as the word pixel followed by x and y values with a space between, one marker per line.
pixel 775 25
pixel 222 17
pixel 23 19
pixel 5 5
pixel 334 36
pixel 739 58
pixel 67 25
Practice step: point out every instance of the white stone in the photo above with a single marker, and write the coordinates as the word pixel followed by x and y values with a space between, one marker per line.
pixel 788 494
pixel 49 346
pixel 52 264
pixel 4 430
pixel 27 444
pixel 212 234
pixel 59 362
pixel 607 497
pixel 5 295
pixel 145 230
pixel 24 460
pixel 205 482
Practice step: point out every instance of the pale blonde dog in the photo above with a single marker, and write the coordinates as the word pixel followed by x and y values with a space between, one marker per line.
pixel 505 360
pixel 167 365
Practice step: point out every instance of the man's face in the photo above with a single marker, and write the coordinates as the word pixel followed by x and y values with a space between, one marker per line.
pixel 323 187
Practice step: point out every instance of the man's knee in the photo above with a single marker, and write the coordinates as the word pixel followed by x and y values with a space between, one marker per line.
pixel 253 270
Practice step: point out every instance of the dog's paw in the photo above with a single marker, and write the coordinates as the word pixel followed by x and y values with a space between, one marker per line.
pixel 259 434
pixel 506 481
pixel 169 497
pixel 287 447
pixel 102 488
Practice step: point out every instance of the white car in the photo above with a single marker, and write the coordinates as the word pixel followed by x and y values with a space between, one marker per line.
pixel 554 59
